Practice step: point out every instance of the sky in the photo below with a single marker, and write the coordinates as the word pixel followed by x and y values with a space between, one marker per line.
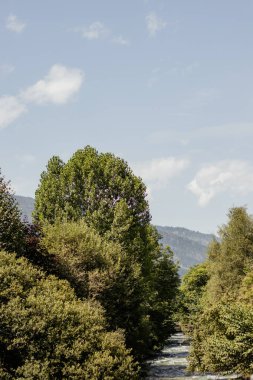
pixel 166 85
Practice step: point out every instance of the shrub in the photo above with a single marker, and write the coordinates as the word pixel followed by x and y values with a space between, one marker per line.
pixel 47 333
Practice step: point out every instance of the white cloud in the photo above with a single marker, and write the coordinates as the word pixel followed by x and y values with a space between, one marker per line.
pixel 158 172
pixel 97 31
pixel 234 177
pixel 154 24
pixel 14 24
pixel 94 31
pixel 10 109
pixel 57 87
pixel 121 41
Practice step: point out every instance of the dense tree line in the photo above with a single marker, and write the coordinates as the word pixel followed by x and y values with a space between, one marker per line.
pixel 88 291
pixel 217 301
pixel 101 192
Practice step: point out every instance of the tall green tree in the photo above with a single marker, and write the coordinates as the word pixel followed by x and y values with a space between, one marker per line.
pixel 191 292
pixel 49 199
pixel 223 329
pixel 89 186
pixel 102 190
pixel 12 234
pixel 230 259
pixel 166 283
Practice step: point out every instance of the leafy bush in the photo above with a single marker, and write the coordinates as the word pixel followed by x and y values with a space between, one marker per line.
pixel 224 340
pixel 102 270
pixel 47 333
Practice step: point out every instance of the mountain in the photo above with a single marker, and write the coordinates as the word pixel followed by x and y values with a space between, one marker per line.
pixel 189 247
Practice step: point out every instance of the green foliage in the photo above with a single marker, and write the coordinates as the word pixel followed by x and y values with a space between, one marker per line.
pixel 102 270
pixel 11 226
pixel 224 340
pixel 246 289
pixel 112 281
pixel 97 269
pixel 191 292
pixel 102 190
pixel 47 333
pixel 223 326
pixel 166 282
pixel 231 258
pixel 77 249
pixel 49 195
pixel 97 225
pixel 89 186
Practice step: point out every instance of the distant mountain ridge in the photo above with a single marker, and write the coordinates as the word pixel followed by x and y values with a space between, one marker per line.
pixel 189 247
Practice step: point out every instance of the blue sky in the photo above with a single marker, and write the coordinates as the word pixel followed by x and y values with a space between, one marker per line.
pixel 166 85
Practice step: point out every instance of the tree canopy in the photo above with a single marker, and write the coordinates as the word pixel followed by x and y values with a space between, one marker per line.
pixel 97 194
pixel 89 186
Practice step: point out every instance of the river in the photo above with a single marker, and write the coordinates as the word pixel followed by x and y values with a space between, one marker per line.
pixel 171 362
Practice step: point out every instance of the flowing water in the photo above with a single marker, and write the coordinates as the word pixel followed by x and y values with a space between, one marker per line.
pixel 171 362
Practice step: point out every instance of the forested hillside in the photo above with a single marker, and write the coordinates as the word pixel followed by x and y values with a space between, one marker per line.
pixel 189 247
